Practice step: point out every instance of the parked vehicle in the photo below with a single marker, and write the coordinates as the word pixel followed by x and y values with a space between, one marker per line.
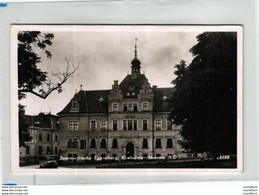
pixel 48 161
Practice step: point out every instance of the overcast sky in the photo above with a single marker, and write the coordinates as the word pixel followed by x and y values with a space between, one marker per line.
pixel 105 55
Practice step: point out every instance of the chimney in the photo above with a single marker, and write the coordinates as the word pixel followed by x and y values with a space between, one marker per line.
pixel 116 82
pixel 154 86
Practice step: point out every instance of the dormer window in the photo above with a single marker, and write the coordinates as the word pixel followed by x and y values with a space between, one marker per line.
pixel 74 104
pixel 165 104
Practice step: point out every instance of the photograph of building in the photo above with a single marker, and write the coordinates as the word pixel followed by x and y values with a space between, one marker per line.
pixel 128 97
pixel 130 120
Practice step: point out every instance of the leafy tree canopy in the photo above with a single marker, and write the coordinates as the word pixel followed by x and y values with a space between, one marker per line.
pixel 205 99
pixel 30 76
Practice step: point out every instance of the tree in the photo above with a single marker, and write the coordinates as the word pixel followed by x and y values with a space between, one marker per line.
pixel 24 134
pixel 31 79
pixel 205 98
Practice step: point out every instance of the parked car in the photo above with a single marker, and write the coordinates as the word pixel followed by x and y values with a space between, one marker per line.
pixel 48 161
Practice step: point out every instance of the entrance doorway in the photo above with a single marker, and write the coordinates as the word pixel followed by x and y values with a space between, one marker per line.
pixel 129 150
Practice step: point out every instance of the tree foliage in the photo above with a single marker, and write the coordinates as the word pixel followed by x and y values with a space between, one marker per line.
pixel 205 99
pixel 24 134
pixel 31 79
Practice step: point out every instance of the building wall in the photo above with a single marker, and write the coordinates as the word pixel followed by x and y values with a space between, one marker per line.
pixel 31 153
pixel 123 136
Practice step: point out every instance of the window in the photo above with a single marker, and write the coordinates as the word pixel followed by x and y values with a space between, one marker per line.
pixel 103 143
pixel 72 143
pixel 92 143
pixel 124 125
pixel 73 125
pixel 145 106
pixel 130 125
pixel 27 149
pixel 40 137
pixel 125 107
pixel 40 150
pixel 56 138
pixel 135 107
pixel 103 125
pixel 145 156
pixel 48 150
pixel 114 143
pixel 82 144
pixel 130 107
pixel 145 143
pixel 144 125
pixel 114 107
pixel 103 156
pixel 158 155
pixel 115 125
pixel 48 137
pixel 114 155
pixel 169 143
pixel 135 125
pixel 56 150
pixel 93 125
pixel 158 124
pixel 74 104
pixel 158 143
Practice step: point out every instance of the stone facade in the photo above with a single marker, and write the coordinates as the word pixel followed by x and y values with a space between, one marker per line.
pixel 128 120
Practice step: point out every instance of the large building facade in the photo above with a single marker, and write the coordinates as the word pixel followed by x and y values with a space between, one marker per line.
pixel 128 120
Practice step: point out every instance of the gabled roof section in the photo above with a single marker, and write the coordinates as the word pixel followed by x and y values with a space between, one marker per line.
pixel 89 102
pixel 161 98
pixel 128 80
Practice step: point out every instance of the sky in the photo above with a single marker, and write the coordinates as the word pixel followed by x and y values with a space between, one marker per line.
pixel 104 54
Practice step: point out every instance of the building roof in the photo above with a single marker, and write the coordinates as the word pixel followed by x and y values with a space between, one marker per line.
pixel 161 97
pixel 47 121
pixel 130 80
pixel 89 102
pixel 97 101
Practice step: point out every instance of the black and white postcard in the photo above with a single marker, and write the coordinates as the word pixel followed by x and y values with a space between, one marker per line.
pixel 126 98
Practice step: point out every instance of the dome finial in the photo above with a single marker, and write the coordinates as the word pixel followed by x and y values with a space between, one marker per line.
pixel 136 47
pixel 135 68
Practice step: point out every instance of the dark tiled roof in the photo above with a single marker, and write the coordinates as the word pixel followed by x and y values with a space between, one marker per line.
pixel 89 102
pixel 138 82
pixel 159 94
pixel 42 120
